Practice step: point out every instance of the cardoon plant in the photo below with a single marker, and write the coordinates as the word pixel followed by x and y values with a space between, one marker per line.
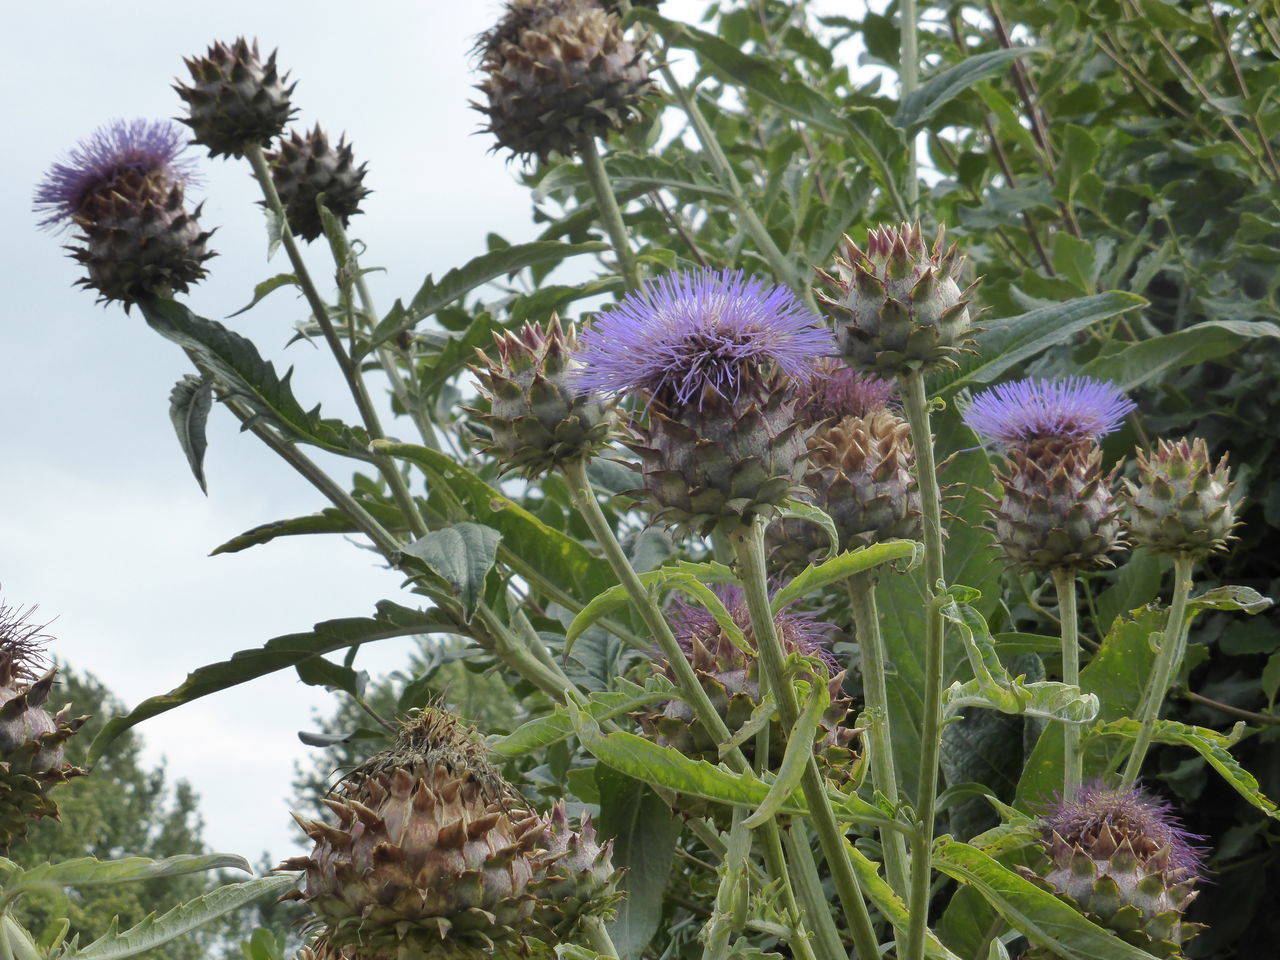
pixel 1057 515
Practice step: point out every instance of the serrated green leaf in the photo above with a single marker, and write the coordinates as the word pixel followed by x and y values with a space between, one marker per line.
pixel 190 401
pixel 1157 356
pixel 844 565
pixel 811 513
pixel 889 903
pixel 92 872
pixel 263 289
pixel 1244 599
pixel 328 520
pixel 281 653
pixel 628 170
pixel 538 552
pixel 541 732
pixel 457 283
pixel 241 372
pixel 462 556
pixel 1210 744
pixel 1005 344
pixel 794 759
pixel 1040 916
pixel 155 931
pixel 936 92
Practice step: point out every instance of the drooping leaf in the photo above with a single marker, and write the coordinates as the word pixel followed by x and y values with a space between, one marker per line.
pixel 241 372
pixel 919 106
pixel 644 844
pixel 267 286
pixel 794 759
pixel 844 565
pixel 189 404
pixel 156 931
pixel 92 872
pixel 811 513
pixel 889 903
pixel 281 653
pixel 1244 599
pixel 462 556
pixel 1210 744
pixel 457 283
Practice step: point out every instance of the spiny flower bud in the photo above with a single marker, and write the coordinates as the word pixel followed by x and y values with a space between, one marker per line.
pixel 731 678
pixel 715 358
pixel 306 167
pixel 556 72
pixel 536 419
pixel 897 305
pixel 576 876
pixel 235 100
pixel 31 740
pixel 858 468
pixel 1057 511
pixel 123 187
pixel 1181 502
pixel 432 852
pixel 1123 859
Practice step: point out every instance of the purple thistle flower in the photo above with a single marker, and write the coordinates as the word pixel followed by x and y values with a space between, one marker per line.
pixel 1131 814
pixel 1076 408
pixel 683 333
pixel 799 632
pixel 139 147
pixel 837 391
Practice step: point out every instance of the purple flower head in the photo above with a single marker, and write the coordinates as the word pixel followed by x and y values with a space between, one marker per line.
pixel 1076 408
pixel 839 391
pixel 1133 814
pixel 142 147
pixel 799 632
pixel 683 333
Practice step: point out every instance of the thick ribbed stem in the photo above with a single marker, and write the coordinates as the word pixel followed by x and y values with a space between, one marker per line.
pixel 749 549
pixel 350 369
pixel 866 622
pixel 909 74
pixel 1166 662
pixel 916 405
pixel 1072 758
pixel 610 213
pixel 809 889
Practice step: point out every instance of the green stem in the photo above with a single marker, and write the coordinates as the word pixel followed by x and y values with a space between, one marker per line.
pixel 1072 759
pixel 748 545
pixel 517 655
pixel 350 369
pixel 584 500
pixel 917 409
pixel 598 937
pixel 610 214
pixel 809 887
pixel 909 74
pixel 866 621
pixel 1166 662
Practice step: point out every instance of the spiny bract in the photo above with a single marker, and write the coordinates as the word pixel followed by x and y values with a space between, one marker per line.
pixel 897 306
pixel 433 852
pixel 1123 859
pixel 557 72
pixel 575 876
pixel 235 100
pixel 304 168
pixel 1181 502
pixel 537 420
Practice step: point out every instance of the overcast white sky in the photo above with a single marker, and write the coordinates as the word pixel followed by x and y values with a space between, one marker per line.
pixel 101 523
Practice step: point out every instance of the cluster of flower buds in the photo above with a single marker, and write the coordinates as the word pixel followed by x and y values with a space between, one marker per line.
pixel 1181 502
pixel 556 72
pixel 434 853
pixel 1122 859
pixel 32 740
pixel 235 100
pixel 306 168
